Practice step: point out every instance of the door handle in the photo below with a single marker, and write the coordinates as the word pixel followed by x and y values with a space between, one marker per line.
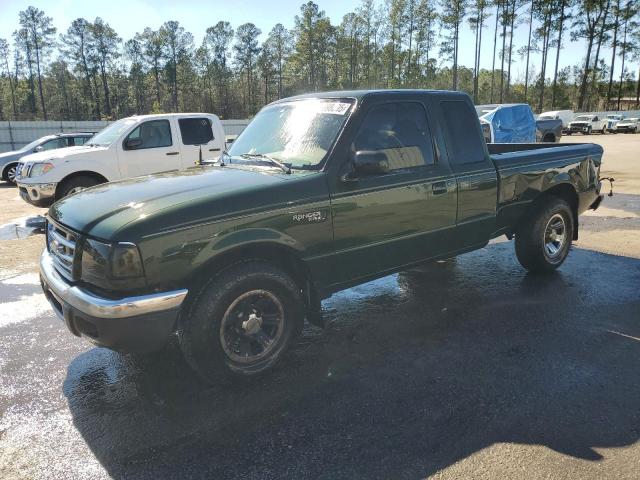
pixel 172 153
pixel 214 149
pixel 439 188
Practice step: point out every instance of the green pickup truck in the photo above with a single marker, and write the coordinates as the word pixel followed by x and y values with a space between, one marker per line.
pixel 321 192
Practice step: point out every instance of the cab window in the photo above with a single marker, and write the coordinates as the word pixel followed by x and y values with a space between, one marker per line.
pixel 77 141
pixel 399 130
pixel 151 134
pixel 195 131
pixel 55 143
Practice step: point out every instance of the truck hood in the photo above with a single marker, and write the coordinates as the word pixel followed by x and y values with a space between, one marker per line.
pixel 69 153
pixel 129 209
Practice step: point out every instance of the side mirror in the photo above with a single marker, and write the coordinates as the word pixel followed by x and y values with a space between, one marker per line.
pixel 132 143
pixel 39 148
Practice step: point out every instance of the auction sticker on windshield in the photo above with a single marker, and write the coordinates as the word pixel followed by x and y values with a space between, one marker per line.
pixel 331 107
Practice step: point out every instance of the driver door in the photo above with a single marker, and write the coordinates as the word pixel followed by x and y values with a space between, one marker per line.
pixel 384 221
pixel 151 147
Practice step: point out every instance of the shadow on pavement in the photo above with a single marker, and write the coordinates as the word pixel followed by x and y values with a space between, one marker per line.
pixel 415 372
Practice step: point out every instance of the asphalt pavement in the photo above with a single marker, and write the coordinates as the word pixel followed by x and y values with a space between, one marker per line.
pixel 465 369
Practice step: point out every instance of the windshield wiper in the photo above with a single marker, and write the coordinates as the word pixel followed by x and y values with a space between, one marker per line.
pixel 261 156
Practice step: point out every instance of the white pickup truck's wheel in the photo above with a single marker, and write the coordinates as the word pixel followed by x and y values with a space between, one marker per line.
pixel 242 321
pixel 544 239
pixel 75 185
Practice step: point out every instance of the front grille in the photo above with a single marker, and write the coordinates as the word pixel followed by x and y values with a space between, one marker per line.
pixel 24 170
pixel 61 243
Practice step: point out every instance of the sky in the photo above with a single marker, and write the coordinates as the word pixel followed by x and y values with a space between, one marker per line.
pixel 130 16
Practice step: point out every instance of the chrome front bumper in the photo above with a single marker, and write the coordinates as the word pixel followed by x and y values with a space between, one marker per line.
pixel 37 193
pixel 132 324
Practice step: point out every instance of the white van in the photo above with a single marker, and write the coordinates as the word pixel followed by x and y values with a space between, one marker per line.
pixel 133 146
pixel 565 115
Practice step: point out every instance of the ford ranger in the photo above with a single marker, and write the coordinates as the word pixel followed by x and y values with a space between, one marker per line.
pixel 319 193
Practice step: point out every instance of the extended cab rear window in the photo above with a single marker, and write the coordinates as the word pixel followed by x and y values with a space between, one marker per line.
pixel 195 131
pixel 464 141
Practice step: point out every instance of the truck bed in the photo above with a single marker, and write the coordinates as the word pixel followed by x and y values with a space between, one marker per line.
pixel 526 169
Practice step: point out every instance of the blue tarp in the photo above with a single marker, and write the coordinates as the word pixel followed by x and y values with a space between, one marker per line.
pixel 512 124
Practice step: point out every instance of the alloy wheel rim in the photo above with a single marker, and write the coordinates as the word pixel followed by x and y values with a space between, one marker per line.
pixel 555 235
pixel 11 174
pixel 252 326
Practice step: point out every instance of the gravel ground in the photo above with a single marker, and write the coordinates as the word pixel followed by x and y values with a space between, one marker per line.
pixel 468 369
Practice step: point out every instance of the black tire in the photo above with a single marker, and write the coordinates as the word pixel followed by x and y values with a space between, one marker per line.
pixel 74 184
pixel 535 237
pixel 604 130
pixel 568 133
pixel 588 132
pixel 549 138
pixel 217 357
pixel 9 174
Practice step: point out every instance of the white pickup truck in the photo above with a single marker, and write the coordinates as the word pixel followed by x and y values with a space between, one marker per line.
pixel 586 124
pixel 131 147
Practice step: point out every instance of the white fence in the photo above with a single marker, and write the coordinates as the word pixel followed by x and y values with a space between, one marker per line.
pixel 14 135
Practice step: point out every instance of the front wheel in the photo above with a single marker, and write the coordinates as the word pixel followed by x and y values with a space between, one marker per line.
pixel 242 321
pixel 75 185
pixel 544 238
pixel 588 132
pixel 10 174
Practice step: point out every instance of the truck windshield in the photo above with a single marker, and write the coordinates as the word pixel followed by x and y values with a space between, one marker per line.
pixel 298 133
pixel 111 133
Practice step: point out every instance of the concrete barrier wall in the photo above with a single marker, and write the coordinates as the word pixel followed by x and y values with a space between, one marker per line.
pixel 14 135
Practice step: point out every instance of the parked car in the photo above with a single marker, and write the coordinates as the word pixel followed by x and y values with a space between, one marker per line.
pixel 628 125
pixel 319 193
pixel 9 160
pixel 612 121
pixel 548 130
pixel 507 123
pixel 130 147
pixel 565 115
pixel 586 124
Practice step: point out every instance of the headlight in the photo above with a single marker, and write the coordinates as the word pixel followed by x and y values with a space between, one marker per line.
pixel 103 264
pixel 126 261
pixel 40 169
pixel 95 261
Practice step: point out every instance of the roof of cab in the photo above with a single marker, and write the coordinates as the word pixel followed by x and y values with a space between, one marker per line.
pixel 168 115
pixel 359 94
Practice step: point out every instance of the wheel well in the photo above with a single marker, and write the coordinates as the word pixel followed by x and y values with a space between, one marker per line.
pixel 549 137
pixel 569 195
pixel 279 255
pixel 5 168
pixel 99 178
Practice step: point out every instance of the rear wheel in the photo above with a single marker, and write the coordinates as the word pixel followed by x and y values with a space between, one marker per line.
pixel 242 321
pixel 75 185
pixel 544 239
